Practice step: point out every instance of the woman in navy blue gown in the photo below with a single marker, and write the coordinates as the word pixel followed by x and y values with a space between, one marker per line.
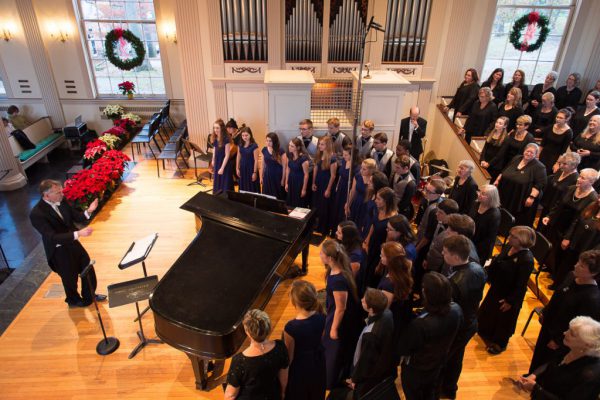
pixel 348 235
pixel 302 336
pixel 399 230
pixel 356 205
pixel 247 162
pixel 343 322
pixel 324 174
pixel 378 181
pixel 297 172
pixel 223 174
pixel 274 159
pixel 341 190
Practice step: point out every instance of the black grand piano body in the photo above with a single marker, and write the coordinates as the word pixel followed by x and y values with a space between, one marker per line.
pixel 233 265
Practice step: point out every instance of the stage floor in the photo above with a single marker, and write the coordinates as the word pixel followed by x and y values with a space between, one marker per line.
pixel 48 351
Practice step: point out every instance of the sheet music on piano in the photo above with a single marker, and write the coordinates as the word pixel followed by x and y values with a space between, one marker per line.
pixel 138 251
pixel 299 213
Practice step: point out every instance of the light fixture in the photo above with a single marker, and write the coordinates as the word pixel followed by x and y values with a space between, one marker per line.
pixel 170 33
pixel 7 31
pixel 61 33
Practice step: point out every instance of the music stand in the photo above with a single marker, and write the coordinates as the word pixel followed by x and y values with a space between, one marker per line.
pixel 202 156
pixel 109 344
pixel 138 252
pixel 134 291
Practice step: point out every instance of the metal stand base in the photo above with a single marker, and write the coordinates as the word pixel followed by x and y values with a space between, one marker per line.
pixel 143 342
pixel 107 346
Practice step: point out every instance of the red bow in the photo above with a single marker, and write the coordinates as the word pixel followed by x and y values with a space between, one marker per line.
pixel 534 17
pixel 119 32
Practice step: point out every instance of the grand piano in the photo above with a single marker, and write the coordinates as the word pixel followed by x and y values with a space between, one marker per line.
pixel 233 265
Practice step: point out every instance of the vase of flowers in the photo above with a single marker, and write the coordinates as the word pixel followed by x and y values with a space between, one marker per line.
pixel 127 88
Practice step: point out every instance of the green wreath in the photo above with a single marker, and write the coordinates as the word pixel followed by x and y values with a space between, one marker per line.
pixel 529 20
pixel 113 37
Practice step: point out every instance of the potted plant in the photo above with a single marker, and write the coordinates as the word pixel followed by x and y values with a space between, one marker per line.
pixel 127 88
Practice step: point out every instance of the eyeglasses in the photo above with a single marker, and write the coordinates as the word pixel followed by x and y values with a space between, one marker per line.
pixel 304 129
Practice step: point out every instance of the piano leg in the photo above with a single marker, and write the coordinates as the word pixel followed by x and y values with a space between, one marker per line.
pixel 200 366
pixel 305 258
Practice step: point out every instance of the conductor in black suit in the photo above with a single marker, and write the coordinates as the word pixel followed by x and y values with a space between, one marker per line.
pixel 54 219
pixel 413 129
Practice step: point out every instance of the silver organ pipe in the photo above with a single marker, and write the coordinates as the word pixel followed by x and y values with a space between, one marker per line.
pixel 302 32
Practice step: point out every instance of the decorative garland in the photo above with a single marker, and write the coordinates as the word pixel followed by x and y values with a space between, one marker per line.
pixel 121 36
pixel 532 20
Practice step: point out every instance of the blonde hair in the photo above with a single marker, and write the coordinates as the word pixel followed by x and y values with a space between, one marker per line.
pixel 488 93
pixel 548 96
pixel 518 95
pixel 524 234
pixel 370 164
pixel 334 250
pixel 504 133
pixel 257 325
pixel 524 119
pixel 492 193
pixel 370 125
pixel 304 295
pixel 324 157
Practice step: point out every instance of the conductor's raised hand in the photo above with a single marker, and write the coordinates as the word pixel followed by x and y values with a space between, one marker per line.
pixel 87 231
pixel 93 206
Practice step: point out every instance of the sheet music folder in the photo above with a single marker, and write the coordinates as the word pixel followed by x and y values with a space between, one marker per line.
pixel 138 251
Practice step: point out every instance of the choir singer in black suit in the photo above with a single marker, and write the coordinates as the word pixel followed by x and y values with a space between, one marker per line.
pixel 54 219
pixel 413 129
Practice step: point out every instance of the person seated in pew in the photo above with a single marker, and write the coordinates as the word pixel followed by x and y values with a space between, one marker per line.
pixel 8 127
pixel 16 119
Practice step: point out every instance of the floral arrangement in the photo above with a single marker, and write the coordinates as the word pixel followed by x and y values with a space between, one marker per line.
pixel 127 87
pixel 533 22
pixel 92 183
pixel 113 111
pixel 125 124
pixel 94 150
pixel 116 130
pixel 111 140
pixel 134 117
pixel 115 46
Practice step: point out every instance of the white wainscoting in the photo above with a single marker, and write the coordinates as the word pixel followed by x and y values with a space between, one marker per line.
pixel 247 103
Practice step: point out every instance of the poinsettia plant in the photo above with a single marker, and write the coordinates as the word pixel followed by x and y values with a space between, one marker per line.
pixel 116 130
pixel 113 111
pixel 94 150
pixel 126 124
pixel 127 87
pixel 112 141
pixel 134 117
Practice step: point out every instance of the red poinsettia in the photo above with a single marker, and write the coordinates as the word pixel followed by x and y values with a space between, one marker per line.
pixel 127 87
pixel 116 130
pixel 126 124
pixel 94 150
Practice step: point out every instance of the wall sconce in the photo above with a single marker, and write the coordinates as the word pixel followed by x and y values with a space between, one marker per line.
pixel 7 31
pixel 170 33
pixel 61 34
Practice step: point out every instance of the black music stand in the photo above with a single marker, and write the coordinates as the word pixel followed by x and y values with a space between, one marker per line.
pixel 203 156
pixel 138 252
pixel 109 344
pixel 133 292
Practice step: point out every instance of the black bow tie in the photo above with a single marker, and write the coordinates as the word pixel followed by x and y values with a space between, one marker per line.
pixel 379 155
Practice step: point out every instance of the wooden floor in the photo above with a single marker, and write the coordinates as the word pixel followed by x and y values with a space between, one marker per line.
pixel 49 350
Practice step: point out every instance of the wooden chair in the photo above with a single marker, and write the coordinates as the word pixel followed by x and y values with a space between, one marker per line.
pixel 507 221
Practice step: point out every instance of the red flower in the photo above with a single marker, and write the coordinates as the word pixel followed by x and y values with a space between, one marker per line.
pixel 534 17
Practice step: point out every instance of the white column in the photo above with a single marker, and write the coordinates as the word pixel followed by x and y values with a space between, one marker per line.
pixel 15 178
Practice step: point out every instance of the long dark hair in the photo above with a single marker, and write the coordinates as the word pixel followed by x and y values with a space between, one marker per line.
pixel 249 131
pixel 401 225
pixel 490 79
pixel 336 251
pixel 276 146
pixel 299 146
pixel 351 239
pixel 220 138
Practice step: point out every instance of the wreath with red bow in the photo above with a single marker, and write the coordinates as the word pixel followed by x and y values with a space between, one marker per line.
pixel 119 37
pixel 532 21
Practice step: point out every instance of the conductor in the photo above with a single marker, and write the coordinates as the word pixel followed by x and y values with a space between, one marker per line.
pixel 54 220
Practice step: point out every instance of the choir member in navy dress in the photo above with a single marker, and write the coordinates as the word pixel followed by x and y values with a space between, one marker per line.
pixel 274 160
pixel 356 205
pixel 385 202
pixel 247 162
pixel 516 141
pixel 464 190
pixel 348 235
pixel 565 176
pixel 261 370
pixel 482 114
pixel 582 116
pixel 491 157
pixel 508 275
pixel 396 284
pixel 465 95
pixel 587 145
pixel 302 336
pixel 404 185
pixel 338 138
pixel 544 116
pixel 340 208
pixel 521 185
pixel 569 95
pixel 223 173
pixel 494 82
pixel 381 154
pixel 323 178
pixel 373 359
pixel 425 344
pixel 486 215
pixel 378 181
pixel 297 174
pixel 364 144
pixel 555 140
pixel 399 230
pixel 511 108
pixel 518 82
pixel 343 323
pixel 577 295
pixel 535 96
pixel 577 374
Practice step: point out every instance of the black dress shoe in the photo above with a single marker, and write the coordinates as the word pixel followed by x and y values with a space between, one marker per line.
pixel 100 297
pixel 78 303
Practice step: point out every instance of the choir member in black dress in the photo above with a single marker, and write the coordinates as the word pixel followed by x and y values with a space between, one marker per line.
pixel 595 88
pixel 555 140
pixel 343 322
pixel 404 185
pixel 582 116
pixel 235 135
pixel 587 145
pixel 364 144
pixel 566 175
pixel 569 95
pixel 374 359
pixel 465 95
pixel 535 96
pixel 577 295
pixel 491 157
pixel 486 215
pixel 511 108
pixel 464 190
pixel 564 214
pixel 247 162
pixel 494 82
pixel 521 185
pixel 400 230
pixel 577 374
pixel 323 178
pixel 467 280
pixel 508 275
pixel 232 129
pixel 260 371
pixel 425 344
pixel 544 116
pixel 518 81
pixel 516 141
pixel 349 236
pixel 482 114
pixel 385 202
pixel 274 160
pixel 302 336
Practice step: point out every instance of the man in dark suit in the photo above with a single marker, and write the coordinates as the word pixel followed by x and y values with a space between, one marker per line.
pixel 54 219
pixel 413 129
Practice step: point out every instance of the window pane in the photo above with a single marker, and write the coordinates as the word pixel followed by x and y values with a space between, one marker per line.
pixel 2 88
